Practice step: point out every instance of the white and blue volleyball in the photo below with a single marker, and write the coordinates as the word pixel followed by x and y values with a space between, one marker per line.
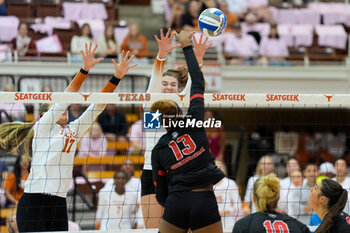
pixel 212 22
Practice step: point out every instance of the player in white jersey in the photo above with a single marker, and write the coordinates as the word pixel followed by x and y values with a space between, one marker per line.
pixel 228 198
pixel 53 144
pixel 343 180
pixel 117 206
pixel 170 81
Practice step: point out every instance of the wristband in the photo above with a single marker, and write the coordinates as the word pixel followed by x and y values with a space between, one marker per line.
pixel 114 80
pixel 160 59
pixel 83 71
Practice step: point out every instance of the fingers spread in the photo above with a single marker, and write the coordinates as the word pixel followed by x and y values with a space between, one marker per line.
pixel 93 52
pixel 206 40
pixel 90 46
pixel 168 33
pixel 130 59
pixel 130 67
pixel 161 34
pixel 99 60
pixel 157 39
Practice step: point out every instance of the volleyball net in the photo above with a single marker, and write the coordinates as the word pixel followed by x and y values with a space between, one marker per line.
pixel 309 127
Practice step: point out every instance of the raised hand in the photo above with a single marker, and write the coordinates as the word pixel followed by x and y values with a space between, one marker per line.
pixel 88 57
pixel 123 67
pixel 200 47
pixel 164 43
pixel 184 38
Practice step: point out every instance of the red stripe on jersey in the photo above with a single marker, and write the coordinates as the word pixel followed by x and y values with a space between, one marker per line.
pixel 196 96
pixel 155 183
pixel 161 173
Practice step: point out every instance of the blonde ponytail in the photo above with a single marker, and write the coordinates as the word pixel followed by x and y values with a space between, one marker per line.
pixel 267 193
pixel 13 134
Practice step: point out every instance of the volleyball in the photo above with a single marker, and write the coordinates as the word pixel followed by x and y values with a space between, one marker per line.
pixel 212 22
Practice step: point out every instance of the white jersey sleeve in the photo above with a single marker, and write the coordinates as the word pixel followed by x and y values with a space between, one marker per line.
pixel 49 119
pixel 84 122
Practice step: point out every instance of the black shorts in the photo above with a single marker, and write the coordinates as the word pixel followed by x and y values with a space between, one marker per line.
pixel 191 210
pixel 147 185
pixel 40 212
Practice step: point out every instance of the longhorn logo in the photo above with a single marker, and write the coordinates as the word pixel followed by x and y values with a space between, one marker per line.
pixel 85 96
pixel 329 97
pixel 181 96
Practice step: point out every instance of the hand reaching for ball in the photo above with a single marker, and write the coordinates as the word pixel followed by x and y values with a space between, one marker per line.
pixel 184 38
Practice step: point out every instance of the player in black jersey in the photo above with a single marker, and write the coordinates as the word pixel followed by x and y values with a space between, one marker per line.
pixel 183 169
pixel 265 197
pixel 328 199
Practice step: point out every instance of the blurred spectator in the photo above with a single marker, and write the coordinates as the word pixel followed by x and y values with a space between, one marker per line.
pixel 299 207
pixel 216 137
pixel 108 46
pixel 262 10
pixel 343 179
pixel 11 222
pixel 274 49
pixel 287 184
pixel 190 18
pixel 264 167
pixel 23 44
pixel 334 142
pixel 74 112
pixel 231 17
pixel 46 89
pixel 251 20
pixel 15 111
pixel 133 185
pixel 137 137
pixel 292 165
pixel 297 181
pixel 315 220
pixel 310 144
pixel 242 46
pixel 137 44
pixel 175 21
pixel 236 6
pixel 14 184
pixel 327 169
pixel 3 177
pixel 3 172
pixel 113 123
pixel 208 4
pixel 123 213
pixel 3 9
pixel 78 42
pixel 228 198
pixel 94 144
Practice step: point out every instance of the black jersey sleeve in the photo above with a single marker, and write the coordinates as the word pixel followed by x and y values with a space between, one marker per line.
pixel 196 109
pixel 238 229
pixel 160 179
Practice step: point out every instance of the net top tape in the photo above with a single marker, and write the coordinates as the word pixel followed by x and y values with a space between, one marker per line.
pixel 226 100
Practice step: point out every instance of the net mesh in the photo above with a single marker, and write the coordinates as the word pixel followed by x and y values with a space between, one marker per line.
pixel 309 128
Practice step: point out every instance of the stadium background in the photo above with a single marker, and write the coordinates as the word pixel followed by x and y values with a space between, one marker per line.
pixel 250 132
